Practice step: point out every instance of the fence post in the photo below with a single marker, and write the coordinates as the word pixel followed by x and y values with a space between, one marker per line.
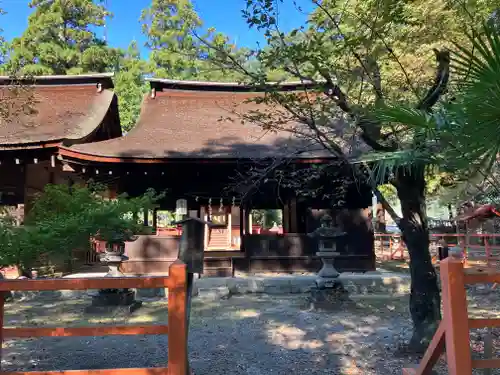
pixel 177 320
pixel 455 317
pixel 2 303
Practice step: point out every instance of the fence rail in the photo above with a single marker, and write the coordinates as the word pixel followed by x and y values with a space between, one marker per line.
pixel 176 282
pixel 477 247
pixel 453 330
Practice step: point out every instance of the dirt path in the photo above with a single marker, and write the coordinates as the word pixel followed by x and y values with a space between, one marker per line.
pixel 250 334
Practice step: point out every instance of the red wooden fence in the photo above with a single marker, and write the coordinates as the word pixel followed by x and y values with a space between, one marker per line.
pixel 176 328
pixel 453 331
pixel 480 247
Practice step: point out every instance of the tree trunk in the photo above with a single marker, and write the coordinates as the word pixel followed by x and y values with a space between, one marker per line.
pixel 425 303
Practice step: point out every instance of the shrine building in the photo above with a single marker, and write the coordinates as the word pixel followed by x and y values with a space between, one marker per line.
pixel 190 143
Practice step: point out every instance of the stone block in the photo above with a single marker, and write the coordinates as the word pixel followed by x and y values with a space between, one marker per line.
pixel 214 294
pixel 277 286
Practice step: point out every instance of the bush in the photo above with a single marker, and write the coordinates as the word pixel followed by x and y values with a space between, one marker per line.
pixel 64 219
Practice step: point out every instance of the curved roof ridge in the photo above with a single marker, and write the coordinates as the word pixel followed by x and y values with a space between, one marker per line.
pixel 54 80
pixel 224 86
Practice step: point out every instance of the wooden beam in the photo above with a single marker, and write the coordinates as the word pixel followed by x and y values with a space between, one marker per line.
pixel 480 278
pixel 9 333
pixel 116 371
pixel 82 284
pixel 432 354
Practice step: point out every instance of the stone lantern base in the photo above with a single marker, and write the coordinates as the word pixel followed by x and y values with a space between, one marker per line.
pixel 109 300
pixel 332 298
pixel 328 293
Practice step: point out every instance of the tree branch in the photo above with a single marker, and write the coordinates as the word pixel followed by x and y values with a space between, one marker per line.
pixel 440 81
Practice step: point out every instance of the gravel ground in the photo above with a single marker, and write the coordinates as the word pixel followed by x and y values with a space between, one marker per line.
pixel 251 334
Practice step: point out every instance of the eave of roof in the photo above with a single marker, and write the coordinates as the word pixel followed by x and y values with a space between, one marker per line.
pixel 228 86
pixel 56 80
pixel 68 154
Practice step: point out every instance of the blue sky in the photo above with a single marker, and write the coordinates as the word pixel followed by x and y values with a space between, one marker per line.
pixel 224 15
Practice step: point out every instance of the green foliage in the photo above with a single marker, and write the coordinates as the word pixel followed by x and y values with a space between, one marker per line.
pixel 60 39
pixel 458 138
pixel 130 86
pixel 64 219
pixel 167 24
pixel 267 218
pixel 177 52
pixel 3 46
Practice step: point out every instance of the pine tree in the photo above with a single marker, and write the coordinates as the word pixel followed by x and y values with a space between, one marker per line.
pixel 168 25
pixel 130 85
pixel 60 39
pixel 3 45
pixel 177 52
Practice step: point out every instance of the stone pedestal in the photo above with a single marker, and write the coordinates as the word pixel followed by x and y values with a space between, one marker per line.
pixel 109 300
pixel 328 275
pixel 331 298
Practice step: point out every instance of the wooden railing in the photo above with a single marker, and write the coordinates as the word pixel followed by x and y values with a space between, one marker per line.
pixel 453 330
pixel 176 328
pixel 481 247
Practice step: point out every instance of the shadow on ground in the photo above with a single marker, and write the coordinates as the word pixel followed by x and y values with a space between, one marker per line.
pixel 251 334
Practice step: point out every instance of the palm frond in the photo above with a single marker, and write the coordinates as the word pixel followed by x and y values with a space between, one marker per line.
pixel 405 115
pixel 382 165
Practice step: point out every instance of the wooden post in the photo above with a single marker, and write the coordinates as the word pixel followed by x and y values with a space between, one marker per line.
pixel 488 350
pixel 207 230
pixel 249 221
pixel 2 302
pixel 248 227
pixel 293 216
pixel 177 320
pixel 487 250
pixel 229 226
pixel 455 317
pixel 242 224
pixel 286 218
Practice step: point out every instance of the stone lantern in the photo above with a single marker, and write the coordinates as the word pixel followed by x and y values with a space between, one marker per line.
pixel 327 236
pixel 108 299
pixel 329 289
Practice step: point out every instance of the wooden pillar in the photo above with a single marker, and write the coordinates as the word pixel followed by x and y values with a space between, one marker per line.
pixel 250 223
pixel 286 218
pixel 146 217
pixel 248 226
pixel 155 224
pixel 293 215
pixel 229 226
pixel 207 233
pixel 242 226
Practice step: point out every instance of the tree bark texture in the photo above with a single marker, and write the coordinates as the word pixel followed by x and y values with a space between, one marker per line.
pixel 425 302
